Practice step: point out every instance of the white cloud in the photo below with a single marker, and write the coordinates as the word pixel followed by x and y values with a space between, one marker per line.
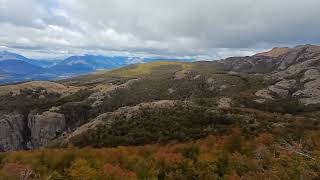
pixel 199 28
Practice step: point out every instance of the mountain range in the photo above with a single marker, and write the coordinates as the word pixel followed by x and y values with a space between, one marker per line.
pixel 17 68
pixel 252 117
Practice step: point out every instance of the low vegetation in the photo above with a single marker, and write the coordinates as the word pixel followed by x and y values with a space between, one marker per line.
pixel 230 156
pixel 156 125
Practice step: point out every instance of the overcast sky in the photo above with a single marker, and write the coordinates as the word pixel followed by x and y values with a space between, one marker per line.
pixel 197 28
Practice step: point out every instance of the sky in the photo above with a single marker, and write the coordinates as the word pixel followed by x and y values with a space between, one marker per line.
pixel 201 29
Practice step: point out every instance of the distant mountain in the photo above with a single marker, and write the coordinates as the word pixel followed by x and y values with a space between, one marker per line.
pixel 90 63
pixel 15 67
pixel 6 55
pixel 87 63
pixel 19 67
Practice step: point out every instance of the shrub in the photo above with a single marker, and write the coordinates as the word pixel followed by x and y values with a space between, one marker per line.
pixel 152 125
pixel 81 170
pixel 116 173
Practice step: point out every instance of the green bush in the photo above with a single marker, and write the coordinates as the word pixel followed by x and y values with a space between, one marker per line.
pixel 156 125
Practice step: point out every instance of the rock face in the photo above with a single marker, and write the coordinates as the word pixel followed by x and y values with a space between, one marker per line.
pixel 279 91
pixel 263 93
pixel 45 127
pixel 254 64
pixel 311 74
pixel 310 94
pixel 286 84
pixel 297 75
pixel 11 128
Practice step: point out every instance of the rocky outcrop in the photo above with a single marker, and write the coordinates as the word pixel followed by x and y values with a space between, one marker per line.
pixel 296 71
pixel 11 131
pixel 224 102
pixel 264 93
pixel 310 94
pixel 45 127
pixel 279 91
pixel 311 74
pixel 286 84
pixel 275 52
pixel 254 64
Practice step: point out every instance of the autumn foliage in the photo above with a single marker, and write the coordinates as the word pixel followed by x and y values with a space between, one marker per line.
pixel 115 172
pixel 233 156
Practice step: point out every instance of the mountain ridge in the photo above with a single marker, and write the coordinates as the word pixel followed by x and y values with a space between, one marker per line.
pixel 57 69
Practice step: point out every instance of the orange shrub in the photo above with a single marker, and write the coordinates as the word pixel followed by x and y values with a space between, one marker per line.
pixel 21 171
pixel 168 157
pixel 115 172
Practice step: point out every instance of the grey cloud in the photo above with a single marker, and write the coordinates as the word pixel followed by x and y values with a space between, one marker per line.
pixel 213 28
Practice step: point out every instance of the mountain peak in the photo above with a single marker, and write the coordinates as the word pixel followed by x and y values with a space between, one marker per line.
pixel 275 52
pixel 6 55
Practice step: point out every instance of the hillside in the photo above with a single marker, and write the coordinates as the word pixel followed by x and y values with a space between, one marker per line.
pixel 240 117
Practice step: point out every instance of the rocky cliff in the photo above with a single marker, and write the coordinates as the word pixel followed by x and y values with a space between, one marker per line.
pixel 45 127
pixel 296 75
pixel 37 130
pixel 11 131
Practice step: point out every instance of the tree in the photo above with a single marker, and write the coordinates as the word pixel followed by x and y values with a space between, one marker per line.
pixel 80 170
pixel 234 142
pixel 115 172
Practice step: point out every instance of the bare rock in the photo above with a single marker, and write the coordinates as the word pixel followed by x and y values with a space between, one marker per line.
pixel 45 127
pixel 286 84
pixel 224 86
pixel 224 102
pixel 211 81
pixel 312 84
pixel 260 101
pixel 295 69
pixel 310 94
pixel 197 76
pixel 310 74
pixel 264 93
pixel 253 64
pixel 280 92
pixel 288 60
pixel 11 128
